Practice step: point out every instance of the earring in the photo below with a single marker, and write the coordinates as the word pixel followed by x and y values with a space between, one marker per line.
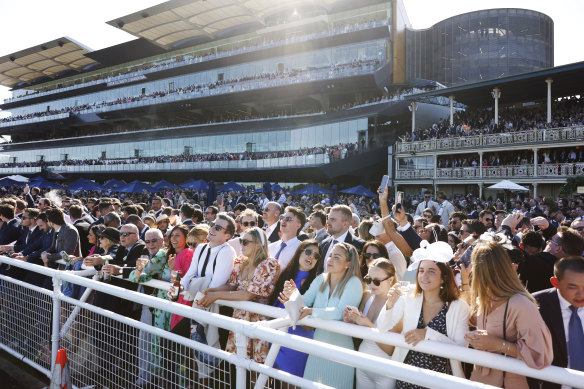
pixel 441 286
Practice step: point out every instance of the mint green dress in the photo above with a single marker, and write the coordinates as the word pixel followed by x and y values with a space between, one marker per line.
pixel 322 370
pixel 157 268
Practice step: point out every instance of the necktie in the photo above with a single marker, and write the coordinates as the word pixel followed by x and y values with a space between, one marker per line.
pixel 28 236
pixel 575 341
pixel 279 251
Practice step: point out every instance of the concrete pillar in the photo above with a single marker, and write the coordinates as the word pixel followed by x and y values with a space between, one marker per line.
pixel 451 98
pixel 496 93
pixel 435 166
pixel 534 189
pixel 413 108
pixel 480 190
pixel 549 99
pixel 535 162
pixel 481 164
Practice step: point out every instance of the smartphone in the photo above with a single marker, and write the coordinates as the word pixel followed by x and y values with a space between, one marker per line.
pixel 384 182
pixel 399 199
pixel 466 257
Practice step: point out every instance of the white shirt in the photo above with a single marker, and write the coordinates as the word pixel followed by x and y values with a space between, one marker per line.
pixel 223 255
pixel 339 239
pixel 566 315
pixel 397 259
pixel 270 229
pixel 263 202
pixel 287 253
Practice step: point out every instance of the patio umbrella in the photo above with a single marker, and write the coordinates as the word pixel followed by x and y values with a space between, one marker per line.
pixel 113 184
pixel 44 184
pixel 10 182
pixel 164 185
pixel 509 185
pixel 195 185
pixel 359 190
pixel 313 190
pixel 84 184
pixel 136 187
pixel 231 187
pixel 211 193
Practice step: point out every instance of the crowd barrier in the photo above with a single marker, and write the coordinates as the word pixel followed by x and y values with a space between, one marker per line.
pixel 109 350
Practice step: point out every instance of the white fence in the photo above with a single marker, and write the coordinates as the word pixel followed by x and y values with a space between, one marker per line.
pixel 110 350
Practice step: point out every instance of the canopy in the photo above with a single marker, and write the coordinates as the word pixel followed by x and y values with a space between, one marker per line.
pixel 43 183
pixel 231 186
pixel 18 177
pixel 10 182
pixel 509 185
pixel 195 185
pixel 136 187
pixel 113 184
pixel 84 184
pixel 359 190
pixel 313 190
pixel 164 185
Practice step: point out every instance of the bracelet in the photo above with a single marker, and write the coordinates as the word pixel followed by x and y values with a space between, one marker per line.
pixel 502 347
pixel 508 348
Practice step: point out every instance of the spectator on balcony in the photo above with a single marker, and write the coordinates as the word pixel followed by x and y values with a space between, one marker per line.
pixel 445 208
pixel 427 203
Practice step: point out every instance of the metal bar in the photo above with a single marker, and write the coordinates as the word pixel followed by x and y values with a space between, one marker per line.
pixel 75 312
pixel 56 321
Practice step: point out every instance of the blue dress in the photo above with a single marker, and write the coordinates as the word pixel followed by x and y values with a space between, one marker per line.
pixel 289 360
pixel 322 370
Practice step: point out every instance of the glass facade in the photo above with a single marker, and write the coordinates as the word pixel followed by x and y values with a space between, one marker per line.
pixel 281 140
pixel 416 163
pixel 369 50
pixel 481 45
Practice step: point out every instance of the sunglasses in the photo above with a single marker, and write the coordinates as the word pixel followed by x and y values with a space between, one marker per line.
pixel 314 253
pixel 245 242
pixel 286 218
pixel 368 280
pixel 124 234
pixel 151 241
pixel 216 226
pixel 245 224
pixel 371 256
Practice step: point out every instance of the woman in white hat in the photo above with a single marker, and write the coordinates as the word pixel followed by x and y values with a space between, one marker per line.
pixel 430 311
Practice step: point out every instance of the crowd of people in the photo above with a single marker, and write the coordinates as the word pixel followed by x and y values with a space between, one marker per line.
pixel 474 122
pixel 505 278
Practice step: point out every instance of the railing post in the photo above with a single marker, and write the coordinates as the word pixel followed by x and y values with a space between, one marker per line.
pixel 241 372
pixel 56 319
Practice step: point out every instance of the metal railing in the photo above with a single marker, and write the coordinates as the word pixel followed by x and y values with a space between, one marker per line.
pixel 562 170
pixel 493 140
pixel 108 349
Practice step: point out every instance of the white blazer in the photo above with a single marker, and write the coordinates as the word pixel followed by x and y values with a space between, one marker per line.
pixel 456 325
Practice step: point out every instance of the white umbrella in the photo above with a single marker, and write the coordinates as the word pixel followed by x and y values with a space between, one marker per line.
pixel 509 185
pixel 18 178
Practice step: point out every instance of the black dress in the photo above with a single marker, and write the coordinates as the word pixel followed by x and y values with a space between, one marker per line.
pixel 426 361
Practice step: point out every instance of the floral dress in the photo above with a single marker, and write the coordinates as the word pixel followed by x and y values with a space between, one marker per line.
pixel 156 268
pixel 261 284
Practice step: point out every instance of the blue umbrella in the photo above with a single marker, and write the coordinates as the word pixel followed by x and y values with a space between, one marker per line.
pixel 195 185
pixel 113 184
pixel 164 185
pixel 44 184
pixel 211 193
pixel 276 188
pixel 231 186
pixel 335 196
pixel 136 187
pixel 84 184
pixel 267 189
pixel 9 182
pixel 360 190
pixel 313 190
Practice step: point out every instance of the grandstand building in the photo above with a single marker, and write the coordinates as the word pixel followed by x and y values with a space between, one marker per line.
pixel 251 91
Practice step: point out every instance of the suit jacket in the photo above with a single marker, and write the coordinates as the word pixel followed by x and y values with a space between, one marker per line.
pixel 82 227
pixel 536 271
pixel 22 243
pixel 412 238
pixel 142 234
pixel 274 237
pixel 67 239
pixel 34 250
pixel 549 308
pixel 127 259
pixel 321 235
pixel 30 200
pixel 350 239
pixel 10 231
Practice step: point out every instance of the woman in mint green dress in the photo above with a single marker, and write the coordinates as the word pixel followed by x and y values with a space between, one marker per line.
pixel 327 298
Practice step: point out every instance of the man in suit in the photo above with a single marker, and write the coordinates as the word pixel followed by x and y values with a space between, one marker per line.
pixel 187 211
pixel 32 253
pixel 426 203
pixel 142 228
pixel 317 223
pixel 157 205
pixel 271 216
pixel 291 224
pixel 337 226
pixel 562 309
pixel 11 226
pixel 66 238
pixel 82 226
pixel 31 195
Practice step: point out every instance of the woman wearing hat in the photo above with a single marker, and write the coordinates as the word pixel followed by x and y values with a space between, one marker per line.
pixel 162 223
pixel 109 241
pixel 430 311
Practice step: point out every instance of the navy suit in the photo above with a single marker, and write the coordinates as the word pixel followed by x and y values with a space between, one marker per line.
pixel 22 243
pixel 412 238
pixel 549 308
pixel 10 231
pixel 350 239
pixel 33 253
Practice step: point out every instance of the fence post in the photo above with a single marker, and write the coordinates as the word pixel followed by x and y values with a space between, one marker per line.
pixel 56 319
pixel 241 372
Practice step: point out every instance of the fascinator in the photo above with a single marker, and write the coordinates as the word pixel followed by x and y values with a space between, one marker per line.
pixel 437 252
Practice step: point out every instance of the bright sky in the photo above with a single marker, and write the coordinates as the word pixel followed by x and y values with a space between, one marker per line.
pixel 27 23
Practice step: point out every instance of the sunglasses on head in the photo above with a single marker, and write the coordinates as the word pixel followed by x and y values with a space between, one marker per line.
pixel 245 242
pixel 151 241
pixel 371 255
pixel 368 280
pixel 216 226
pixel 310 252
pixel 251 224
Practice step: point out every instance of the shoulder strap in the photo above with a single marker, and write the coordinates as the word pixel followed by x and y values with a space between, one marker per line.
pixel 505 321
pixel 215 259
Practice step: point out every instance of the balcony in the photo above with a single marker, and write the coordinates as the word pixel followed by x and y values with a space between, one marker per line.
pixel 565 134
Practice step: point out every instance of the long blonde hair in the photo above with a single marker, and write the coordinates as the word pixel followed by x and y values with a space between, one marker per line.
pixel 261 251
pixel 352 256
pixel 493 277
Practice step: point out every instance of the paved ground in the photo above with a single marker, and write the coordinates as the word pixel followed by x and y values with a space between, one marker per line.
pixel 15 374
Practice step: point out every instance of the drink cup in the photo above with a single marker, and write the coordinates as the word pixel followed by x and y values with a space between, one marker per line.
pixel 173 274
pixel 141 263
pixel 404 286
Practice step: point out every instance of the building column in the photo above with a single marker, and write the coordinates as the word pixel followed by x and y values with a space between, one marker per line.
pixel 451 98
pixel 413 108
pixel 535 162
pixel 435 166
pixel 549 99
pixel 534 189
pixel 496 93
pixel 480 190
pixel 481 164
